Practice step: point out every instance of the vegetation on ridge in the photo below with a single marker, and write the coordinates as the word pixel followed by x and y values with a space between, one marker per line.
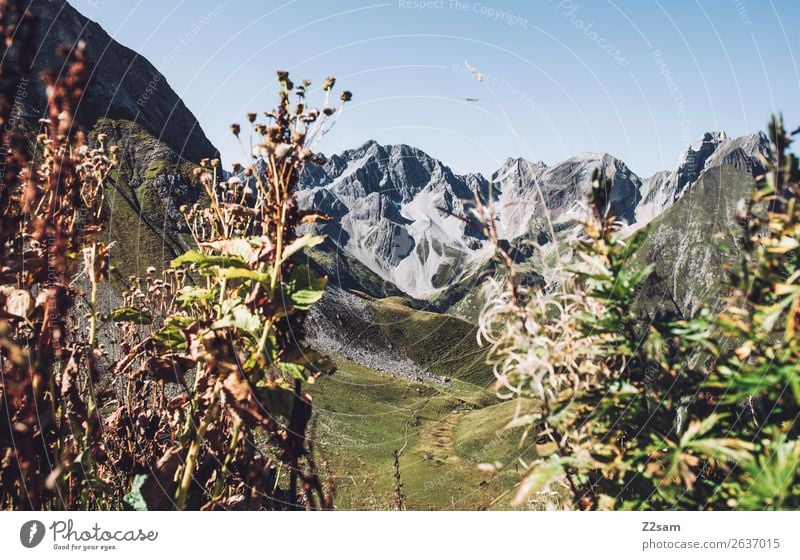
pixel 208 408
pixel 665 410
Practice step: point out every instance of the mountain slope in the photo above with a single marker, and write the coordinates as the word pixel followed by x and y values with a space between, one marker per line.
pixel 691 244
pixel 159 139
pixel 714 150
pixel 402 216
pixel 123 85
pixel 398 212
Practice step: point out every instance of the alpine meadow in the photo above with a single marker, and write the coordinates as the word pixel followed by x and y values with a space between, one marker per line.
pixel 302 310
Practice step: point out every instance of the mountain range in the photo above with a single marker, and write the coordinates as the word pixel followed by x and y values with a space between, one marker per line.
pixel 405 263
pixel 399 217
pixel 403 216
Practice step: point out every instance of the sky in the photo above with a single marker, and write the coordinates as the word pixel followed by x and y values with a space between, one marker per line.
pixel 640 79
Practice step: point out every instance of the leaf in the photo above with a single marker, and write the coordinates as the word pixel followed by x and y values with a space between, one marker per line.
pixel 134 498
pixel 169 368
pixel 698 428
pixel 308 359
pixel 312 217
pixel 170 337
pixel 724 448
pixel 232 247
pixel 246 273
pixel 301 243
pixel 305 288
pixel 295 371
pixel 770 315
pixel 276 399
pixel 191 294
pixel 131 315
pixel 240 317
pixel 205 262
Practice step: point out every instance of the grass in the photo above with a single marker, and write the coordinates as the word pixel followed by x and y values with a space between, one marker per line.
pixel 139 244
pixel 443 430
pixel 442 344
pixel 136 215
pixel 443 434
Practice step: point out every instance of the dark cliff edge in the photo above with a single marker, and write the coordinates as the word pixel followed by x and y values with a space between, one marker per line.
pixel 123 85
pixel 158 138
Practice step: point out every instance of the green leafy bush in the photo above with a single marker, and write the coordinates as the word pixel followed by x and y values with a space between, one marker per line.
pixel 640 412
pixel 207 408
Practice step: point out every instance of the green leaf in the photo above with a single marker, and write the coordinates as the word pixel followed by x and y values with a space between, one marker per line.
pixel 301 243
pixel 134 498
pixel 170 337
pixel 191 294
pixel 129 314
pixel 277 399
pixel 699 428
pixel 305 287
pixel 295 371
pixel 308 359
pixel 246 273
pixel 298 362
pixel 240 317
pixel 204 261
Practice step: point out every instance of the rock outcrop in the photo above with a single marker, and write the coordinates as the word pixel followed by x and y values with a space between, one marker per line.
pixel 123 85
pixel 400 213
pixel 403 215
pixel 158 138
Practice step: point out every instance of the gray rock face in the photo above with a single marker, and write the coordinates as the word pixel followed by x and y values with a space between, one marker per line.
pixel 714 150
pixel 123 85
pixel 563 188
pixel 400 212
pixel 686 244
pixel 175 190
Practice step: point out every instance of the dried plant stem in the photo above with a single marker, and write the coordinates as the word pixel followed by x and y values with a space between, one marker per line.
pixel 399 497
pixel 93 305
pixel 194 451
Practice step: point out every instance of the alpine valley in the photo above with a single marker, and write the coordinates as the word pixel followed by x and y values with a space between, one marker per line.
pixel 405 267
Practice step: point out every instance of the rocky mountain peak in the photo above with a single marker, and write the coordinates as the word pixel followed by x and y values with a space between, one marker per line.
pixel 130 101
pixel 399 212
pixel 123 85
pixel 713 150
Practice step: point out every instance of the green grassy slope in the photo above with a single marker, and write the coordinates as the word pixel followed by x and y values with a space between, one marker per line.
pixel 363 416
pixel 442 344
pixel 145 234
pixel 686 244
pixel 443 430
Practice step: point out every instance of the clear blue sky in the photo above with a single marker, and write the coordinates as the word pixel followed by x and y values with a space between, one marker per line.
pixel 637 78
